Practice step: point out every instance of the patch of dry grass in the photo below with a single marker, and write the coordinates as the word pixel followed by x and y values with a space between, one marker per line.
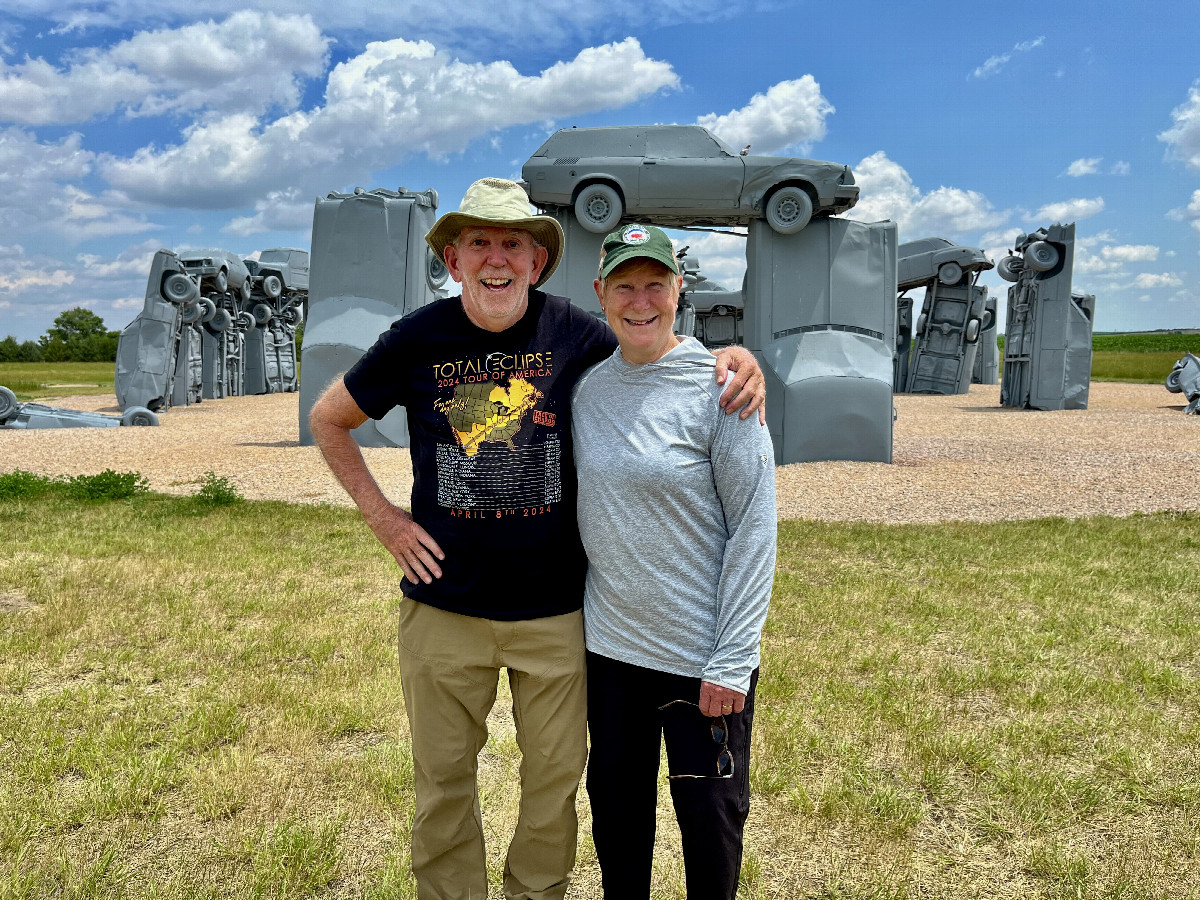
pixel 204 702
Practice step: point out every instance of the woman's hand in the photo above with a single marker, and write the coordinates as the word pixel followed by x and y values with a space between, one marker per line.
pixel 719 701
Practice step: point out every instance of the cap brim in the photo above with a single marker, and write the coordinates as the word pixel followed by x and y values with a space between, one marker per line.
pixel 545 230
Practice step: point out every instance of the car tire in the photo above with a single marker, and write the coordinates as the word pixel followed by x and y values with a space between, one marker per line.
pixel 192 313
pixel 1041 256
pixel 221 320
pixel 1009 268
pixel 435 270
pixel 921 320
pixel 138 415
pixel 1174 383
pixel 245 291
pixel 950 273
pixel 261 313
pixel 599 208
pixel 272 286
pixel 989 319
pixel 8 405
pixel 972 332
pixel 208 309
pixel 221 281
pixel 179 288
pixel 294 315
pixel 246 321
pixel 789 209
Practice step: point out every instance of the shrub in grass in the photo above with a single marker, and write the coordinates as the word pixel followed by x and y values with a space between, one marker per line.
pixel 107 485
pixel 19 485
pixel 217 490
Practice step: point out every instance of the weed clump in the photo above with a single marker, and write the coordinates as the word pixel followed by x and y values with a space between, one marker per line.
pixel 21 485
pixel 107 485
pixel 217 490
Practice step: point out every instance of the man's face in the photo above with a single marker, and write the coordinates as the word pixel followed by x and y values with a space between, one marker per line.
pixel 496 267
pixel 640 299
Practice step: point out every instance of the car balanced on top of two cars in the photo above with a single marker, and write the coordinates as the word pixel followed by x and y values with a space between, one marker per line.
pixel 680 175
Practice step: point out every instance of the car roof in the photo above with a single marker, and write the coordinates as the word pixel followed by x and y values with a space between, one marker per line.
pixel 912 248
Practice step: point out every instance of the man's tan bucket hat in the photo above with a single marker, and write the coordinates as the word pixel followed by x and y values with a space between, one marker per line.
pixel 498 203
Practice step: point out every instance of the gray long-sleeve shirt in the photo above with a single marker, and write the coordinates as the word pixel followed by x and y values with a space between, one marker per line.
pixel 677 514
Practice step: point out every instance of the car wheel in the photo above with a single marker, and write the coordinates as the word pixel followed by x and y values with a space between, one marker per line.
pixel 192 313
pixel 272 286
pixel 8 405
pixel 179 288
pixel 221 281
pixel 1009 268
pixel 245 291
pixel 950 273
pixel 261 313
pixel 972 334
pixel 599 208
pixel 294 315
pixel 246 321
pixel 789 209
pixel 208 309
pixel 138 415
pixel 1174 383
pixel 921 320
pixel 221 320
pixel 989 319
pixel 1041 257
pixel 435 270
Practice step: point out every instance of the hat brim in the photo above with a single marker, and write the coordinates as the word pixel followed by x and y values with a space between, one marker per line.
pixel 545 230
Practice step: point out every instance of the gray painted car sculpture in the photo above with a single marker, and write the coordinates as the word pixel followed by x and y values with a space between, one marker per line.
pixel 680 175
pixel 217 270
pixel 920 262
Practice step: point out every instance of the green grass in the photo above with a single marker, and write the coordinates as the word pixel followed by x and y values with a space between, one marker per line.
pixel 1149 367
pixel 1148 342
pixel 32 381
pixel 200 699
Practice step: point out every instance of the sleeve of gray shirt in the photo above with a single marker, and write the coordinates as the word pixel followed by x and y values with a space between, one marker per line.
pixel 743 465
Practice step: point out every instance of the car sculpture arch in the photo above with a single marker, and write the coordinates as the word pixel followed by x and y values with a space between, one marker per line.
pixel 680 175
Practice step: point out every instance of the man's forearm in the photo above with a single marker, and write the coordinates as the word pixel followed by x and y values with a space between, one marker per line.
pixel 344 458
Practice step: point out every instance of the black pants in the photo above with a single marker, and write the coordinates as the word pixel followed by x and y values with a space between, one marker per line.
pixel 625 727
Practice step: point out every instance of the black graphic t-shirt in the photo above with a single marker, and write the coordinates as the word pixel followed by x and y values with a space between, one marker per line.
pixel 489 420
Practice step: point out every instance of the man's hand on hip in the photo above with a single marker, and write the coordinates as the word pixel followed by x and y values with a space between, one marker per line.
pixel 411 545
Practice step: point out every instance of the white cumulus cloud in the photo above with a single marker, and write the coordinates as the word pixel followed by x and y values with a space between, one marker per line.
pixel 1087 166
pixel 789 114
pixel 1070 210
pixel 886 191
pixel 1183 138
pixel 1130 252
pixel 1149 280
pixel 249 62
pixel 395 99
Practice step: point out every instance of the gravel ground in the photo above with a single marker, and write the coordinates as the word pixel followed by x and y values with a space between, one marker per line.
pixel 954 458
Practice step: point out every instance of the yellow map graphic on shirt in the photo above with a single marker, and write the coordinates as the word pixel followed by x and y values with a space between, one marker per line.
pixel 485 411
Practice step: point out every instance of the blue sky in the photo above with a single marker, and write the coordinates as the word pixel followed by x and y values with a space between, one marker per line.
pixel 127 126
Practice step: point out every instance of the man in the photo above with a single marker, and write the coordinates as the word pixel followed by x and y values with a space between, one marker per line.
pixel 493 565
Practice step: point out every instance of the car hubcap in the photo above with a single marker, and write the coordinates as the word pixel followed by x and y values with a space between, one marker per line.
pixel 598 208
pixel 789 210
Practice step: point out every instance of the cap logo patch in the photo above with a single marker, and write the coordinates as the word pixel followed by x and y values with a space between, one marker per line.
pixel 635 234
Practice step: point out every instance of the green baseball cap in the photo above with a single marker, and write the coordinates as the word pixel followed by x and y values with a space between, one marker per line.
pixel 636 242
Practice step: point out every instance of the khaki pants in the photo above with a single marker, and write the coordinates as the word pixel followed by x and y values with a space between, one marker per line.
pixel 449 668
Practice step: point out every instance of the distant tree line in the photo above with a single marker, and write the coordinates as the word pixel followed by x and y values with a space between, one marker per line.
pixel 77 335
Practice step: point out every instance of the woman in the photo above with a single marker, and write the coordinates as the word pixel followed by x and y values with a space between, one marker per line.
pixel 677 514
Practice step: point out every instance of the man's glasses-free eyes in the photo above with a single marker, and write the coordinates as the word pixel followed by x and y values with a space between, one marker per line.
pixel 719 729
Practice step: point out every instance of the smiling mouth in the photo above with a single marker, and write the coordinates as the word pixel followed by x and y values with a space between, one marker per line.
pixel 635 323
pixel 495 284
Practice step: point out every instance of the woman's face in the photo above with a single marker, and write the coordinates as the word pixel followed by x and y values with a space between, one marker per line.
pixel 640 299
